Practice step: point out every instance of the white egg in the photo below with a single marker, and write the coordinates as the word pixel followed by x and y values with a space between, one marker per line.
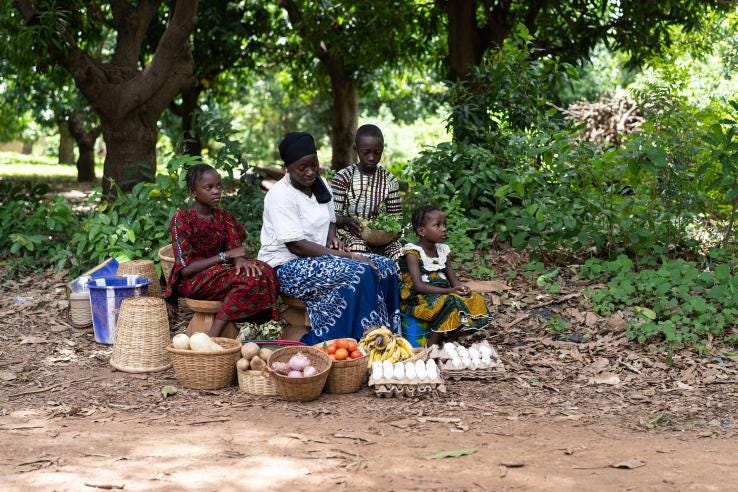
pixel 410 373
pixel 486 361
pixel 475 363
pixel 449 346
pixel 387 370
pixel 432 372
pixel 431 363
pixel 457 364
pixel 466 362
pixel 474 354
pixel 377 369
pixel 420 369
pixel 483 349
pixel 399 371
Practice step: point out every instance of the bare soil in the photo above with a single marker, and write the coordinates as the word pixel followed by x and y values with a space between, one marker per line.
pixel 603 414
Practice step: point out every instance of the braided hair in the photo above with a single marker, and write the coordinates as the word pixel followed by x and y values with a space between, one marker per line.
pixel 420 213
pixel 194 173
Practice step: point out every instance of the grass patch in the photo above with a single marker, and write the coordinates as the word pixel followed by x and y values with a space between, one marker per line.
pixel 15 165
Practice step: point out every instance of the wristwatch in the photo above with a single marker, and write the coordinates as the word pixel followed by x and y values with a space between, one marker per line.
pixel 223 257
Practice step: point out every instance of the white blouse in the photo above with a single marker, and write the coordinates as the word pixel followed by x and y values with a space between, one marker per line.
pixel 290 215
pixel 430 263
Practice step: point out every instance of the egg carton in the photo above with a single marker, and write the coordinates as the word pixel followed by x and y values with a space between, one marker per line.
pixel 487 373
pixel 403 387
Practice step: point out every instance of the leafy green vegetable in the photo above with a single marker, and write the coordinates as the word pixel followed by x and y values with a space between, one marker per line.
pixel 384 222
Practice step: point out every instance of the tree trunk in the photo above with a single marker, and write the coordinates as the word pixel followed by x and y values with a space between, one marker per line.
pixel 131 152
pixel 191 143
pixel 345 120
pixel 86 144
pixel 27 148
pixel 66 144
pixel 463 38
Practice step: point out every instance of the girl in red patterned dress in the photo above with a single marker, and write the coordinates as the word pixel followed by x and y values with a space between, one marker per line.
pixel 210 258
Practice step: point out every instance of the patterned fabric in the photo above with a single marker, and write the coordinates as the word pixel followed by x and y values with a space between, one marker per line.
pixel 443 312
pixel 195 238
pixel 343 296
pixel 363 197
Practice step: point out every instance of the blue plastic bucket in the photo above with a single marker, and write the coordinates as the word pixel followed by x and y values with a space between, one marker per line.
pixel 106 294
pixel 415 330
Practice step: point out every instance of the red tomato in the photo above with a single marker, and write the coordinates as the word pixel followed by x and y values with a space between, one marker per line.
pixel 341 354
pixel 331 348
pixel 352 345
pixel 342 344
pixel 356 354
pixel 332 356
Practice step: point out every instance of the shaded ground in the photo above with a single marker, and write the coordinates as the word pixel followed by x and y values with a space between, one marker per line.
pixel 560 417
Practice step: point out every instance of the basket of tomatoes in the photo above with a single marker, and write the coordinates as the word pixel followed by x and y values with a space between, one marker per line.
pixel 349 365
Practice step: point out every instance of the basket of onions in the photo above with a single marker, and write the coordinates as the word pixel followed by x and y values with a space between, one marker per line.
pixel 299 373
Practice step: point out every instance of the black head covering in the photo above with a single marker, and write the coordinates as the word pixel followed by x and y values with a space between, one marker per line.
pixel 293 147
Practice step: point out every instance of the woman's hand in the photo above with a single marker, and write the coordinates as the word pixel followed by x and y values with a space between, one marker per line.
pixel 234 253
pixel 363 259
pixel 335 243
pixel 243 265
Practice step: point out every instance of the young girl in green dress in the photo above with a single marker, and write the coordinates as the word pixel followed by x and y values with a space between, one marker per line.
pixel 429 289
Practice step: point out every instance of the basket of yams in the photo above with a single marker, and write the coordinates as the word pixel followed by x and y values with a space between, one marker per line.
pixel 201 362
pixel 349 366
pixel 251 369
pixel 299 373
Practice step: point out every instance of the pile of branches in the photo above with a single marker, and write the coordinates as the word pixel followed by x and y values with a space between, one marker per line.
pixel 606 120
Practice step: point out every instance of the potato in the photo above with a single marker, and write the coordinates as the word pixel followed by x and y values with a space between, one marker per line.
pixel 248 350
pixel 242 365
pixel 256 363
pixel 264 354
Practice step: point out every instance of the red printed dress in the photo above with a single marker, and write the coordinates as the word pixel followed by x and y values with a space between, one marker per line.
pixel 195 238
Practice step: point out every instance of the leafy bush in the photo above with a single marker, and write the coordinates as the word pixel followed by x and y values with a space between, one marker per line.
pixel 676 300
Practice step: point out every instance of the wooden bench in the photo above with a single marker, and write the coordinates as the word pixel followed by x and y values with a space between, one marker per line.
pixel 203 317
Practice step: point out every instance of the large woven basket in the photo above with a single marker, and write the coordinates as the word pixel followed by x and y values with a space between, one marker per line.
pixel 206 370
pixel 141 336
pixel 377 237
pixel 345 376
pixel 166 258
pixel 142 268
pixel 301 389
pixel 256 383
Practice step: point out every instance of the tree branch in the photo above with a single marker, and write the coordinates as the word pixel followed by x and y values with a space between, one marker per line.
pixel 131 25
pixel 168 52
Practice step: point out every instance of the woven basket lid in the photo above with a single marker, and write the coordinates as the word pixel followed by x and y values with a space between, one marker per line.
pixel 141 336
pixel 142 268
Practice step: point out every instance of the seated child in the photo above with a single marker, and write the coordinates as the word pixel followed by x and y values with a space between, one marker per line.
pixel 429 289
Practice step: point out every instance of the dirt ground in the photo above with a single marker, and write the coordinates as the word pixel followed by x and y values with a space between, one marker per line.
pixel 601 414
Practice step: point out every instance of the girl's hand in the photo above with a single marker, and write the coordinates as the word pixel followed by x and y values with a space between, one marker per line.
pixel 461 290
pixel 354 226
pixel 234 253
pixel 242 265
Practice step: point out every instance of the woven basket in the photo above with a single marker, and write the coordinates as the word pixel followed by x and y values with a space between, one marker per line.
pixel 420 354
pixel 166 258
pixel 80 312
pixel 141 336
pixel 256 383
pixel 206 370
pixel 301 389
pixel 345 376
pixel 142 268
pixel 377 237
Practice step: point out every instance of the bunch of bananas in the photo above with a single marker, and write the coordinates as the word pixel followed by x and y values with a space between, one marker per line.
pixel 381 344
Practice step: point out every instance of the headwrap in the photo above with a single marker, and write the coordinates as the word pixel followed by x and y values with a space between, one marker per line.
pixel 293 147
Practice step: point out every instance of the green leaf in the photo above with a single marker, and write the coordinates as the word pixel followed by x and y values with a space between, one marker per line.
pixel 648 313
pixel 456 453
pixel 168 390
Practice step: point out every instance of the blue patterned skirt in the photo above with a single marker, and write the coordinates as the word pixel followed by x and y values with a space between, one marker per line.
pixel 343 296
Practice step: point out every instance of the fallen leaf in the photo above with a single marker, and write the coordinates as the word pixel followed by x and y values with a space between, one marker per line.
pixel 32 339
pixel 168 390
pixel 607 378
pixel 512 464
pixel 683 386
pixel 7 375
pixel 629 464
pixel 648 313
pixel 456 453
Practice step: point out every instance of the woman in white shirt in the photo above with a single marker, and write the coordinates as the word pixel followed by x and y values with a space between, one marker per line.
pixel 344 292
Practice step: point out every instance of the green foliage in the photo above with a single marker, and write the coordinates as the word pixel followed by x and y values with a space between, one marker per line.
pixel 384 222
pixel 675 300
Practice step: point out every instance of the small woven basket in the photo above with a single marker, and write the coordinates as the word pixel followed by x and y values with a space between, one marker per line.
pixel 206 370
pixel 377 237
pixel 420 354
pixel 80 312
pixel 256 383
pixel 142 268
pixel 166 258
pixel 141 336
pixel 345 376
pixel 301 389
